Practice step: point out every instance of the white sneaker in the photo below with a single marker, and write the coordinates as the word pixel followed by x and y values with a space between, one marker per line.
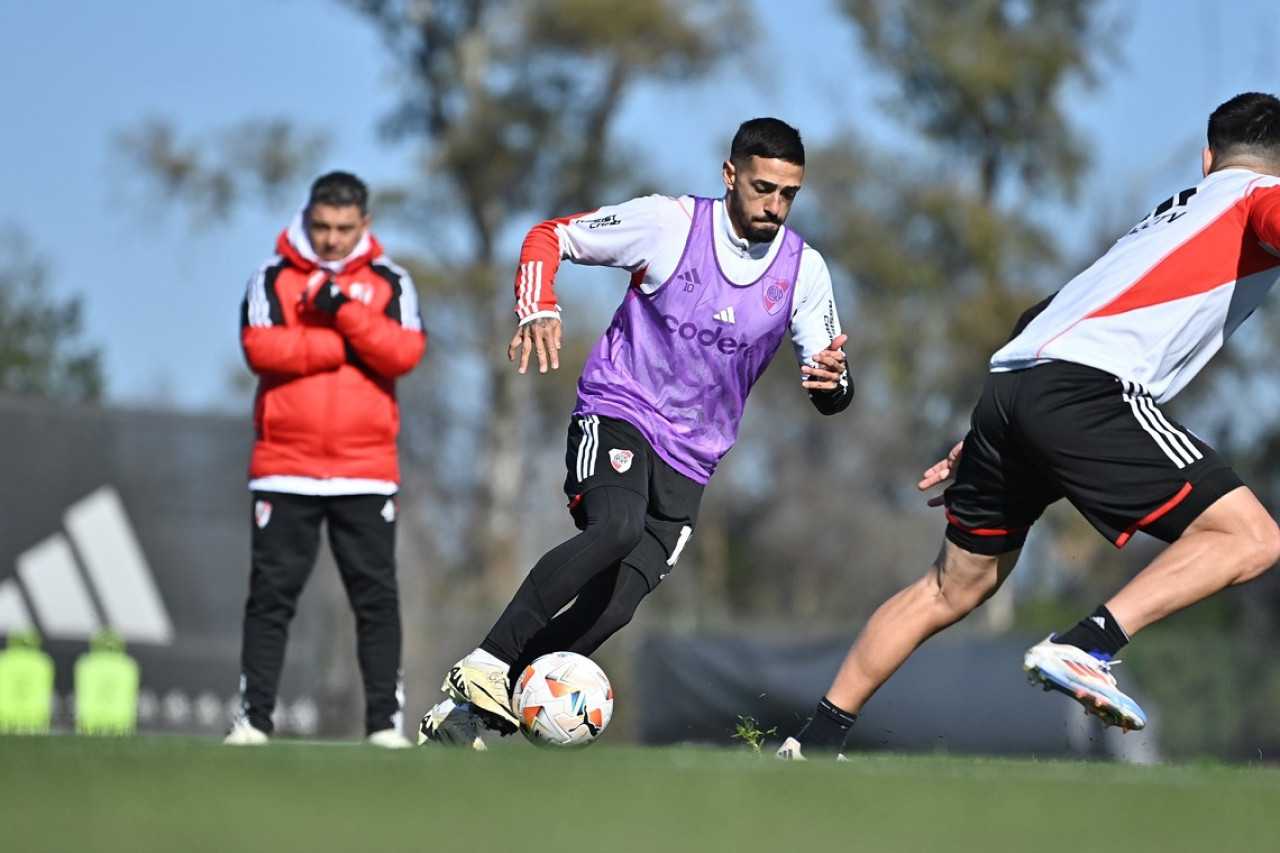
pixel 1085 678
pixel 243 734
pixel 790 750
pixel 450 724
pixel 485 686
pixel 388 739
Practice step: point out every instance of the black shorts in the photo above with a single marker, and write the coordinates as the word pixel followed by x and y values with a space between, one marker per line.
pixel 1065 430
pixel 605 451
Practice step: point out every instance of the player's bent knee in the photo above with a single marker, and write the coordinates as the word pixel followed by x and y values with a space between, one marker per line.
pixel 616 617
pixel 950 601
pixel 1264 553
pixel 964 581
pixel 619 540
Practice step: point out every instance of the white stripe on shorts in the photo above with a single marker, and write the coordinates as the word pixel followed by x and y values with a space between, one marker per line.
pixel 589 447
pixel 1175 444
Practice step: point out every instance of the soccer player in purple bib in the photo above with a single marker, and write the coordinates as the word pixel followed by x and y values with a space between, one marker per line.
pixel 715 287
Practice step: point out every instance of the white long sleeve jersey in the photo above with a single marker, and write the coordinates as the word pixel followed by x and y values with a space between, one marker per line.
pixel 646 236
pixel 1160 303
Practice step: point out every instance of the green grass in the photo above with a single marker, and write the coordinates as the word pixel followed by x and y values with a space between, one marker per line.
pixel 66 793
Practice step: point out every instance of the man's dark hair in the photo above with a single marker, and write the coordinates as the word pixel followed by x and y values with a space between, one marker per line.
pixel 768 138
pixel 339 189
pixel 1249 125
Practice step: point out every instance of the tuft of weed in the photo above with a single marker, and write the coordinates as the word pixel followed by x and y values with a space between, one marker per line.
pixel 748 730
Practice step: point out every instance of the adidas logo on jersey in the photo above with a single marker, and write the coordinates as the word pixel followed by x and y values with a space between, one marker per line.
pixel 724 316
pixel 690 279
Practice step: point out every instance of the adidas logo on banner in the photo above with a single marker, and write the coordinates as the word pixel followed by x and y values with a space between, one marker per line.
pixel 94 576
pixel 724 316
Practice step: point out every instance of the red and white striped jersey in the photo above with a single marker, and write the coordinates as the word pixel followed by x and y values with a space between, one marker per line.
pixel 1160 303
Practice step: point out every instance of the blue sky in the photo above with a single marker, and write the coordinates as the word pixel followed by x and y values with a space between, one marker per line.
pixel 161 297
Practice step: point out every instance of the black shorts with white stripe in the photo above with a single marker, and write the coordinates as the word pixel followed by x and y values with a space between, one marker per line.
pixel 1065 430
pixel 604 451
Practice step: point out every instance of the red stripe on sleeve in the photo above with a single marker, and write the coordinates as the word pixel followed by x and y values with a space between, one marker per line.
pixel 539 261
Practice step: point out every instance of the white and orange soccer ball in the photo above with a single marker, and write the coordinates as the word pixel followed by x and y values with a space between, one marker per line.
pixel 563 699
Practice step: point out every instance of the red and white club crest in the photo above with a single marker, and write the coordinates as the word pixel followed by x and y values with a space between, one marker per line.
pixel 261 513
pixel 621 460
pixel 774 294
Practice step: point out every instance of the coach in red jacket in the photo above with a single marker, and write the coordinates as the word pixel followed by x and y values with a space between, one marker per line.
pixel 328 324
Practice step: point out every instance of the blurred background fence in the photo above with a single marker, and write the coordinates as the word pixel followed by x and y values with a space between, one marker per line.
pixel 687 670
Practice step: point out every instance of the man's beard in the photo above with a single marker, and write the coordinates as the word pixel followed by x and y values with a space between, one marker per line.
pixel 754 231
pixel 763 232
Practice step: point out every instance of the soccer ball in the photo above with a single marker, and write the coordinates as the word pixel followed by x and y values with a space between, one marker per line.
pixel 563 699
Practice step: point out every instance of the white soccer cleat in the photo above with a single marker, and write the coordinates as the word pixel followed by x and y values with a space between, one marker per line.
pixel 485 686
pixel 388 739
pixel 243 734
pixel 1085 678
pixel 450 724
pixel 790 750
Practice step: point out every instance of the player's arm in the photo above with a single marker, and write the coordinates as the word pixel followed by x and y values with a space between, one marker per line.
pixel 389 343
pixel 537 309
pixel 271 346
pixel 622 235
pixel 817 338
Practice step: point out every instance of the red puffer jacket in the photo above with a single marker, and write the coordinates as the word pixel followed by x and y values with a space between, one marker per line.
pixel 326 404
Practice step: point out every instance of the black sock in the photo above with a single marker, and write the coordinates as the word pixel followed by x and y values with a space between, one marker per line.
pixel 828 727
pixel 1099 634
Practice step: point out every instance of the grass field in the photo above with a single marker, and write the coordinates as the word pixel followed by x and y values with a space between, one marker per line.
pixel 76 794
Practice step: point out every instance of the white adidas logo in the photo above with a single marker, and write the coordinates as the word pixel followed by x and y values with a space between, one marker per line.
pixel 725 315
pixel 110 560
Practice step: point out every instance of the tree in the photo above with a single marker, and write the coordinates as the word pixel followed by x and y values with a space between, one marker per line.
pixel 982 86
pixel 257 158
pixel 40 355
pixel 945 236
pixel 514 104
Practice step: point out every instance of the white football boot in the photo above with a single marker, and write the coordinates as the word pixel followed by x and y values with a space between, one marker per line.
pixel 450 724
pixel 790 750
pixel 1085 678
pixel 243 734
pixel 485 687
pixel 388 739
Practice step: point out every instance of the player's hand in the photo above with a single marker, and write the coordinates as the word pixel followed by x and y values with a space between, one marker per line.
pixel 323 294
pixel 828 367
pixel 541 336
pixel 940 472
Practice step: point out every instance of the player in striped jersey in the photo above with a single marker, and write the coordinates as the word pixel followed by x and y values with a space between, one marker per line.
pixel 1071 410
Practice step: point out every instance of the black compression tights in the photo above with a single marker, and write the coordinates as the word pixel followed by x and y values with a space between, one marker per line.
pixel 598 567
